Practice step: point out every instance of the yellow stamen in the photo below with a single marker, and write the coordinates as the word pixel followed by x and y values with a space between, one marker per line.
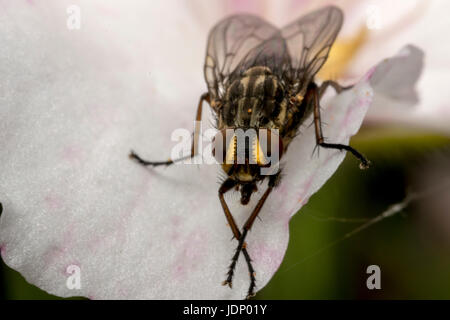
pixel 341 54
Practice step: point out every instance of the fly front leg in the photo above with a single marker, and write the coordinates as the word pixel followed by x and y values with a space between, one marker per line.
pixel 224 188
pixel 242 246
pixel 194 146
pixel 313 96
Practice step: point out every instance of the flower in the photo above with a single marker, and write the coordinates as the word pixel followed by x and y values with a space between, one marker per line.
pixel 74 102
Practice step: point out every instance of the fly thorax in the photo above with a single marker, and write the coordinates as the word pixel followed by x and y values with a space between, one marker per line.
pixel 254 99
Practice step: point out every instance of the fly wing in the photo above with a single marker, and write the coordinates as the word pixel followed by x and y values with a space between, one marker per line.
pixel 229 42
pixel 272 54
pixel 309 40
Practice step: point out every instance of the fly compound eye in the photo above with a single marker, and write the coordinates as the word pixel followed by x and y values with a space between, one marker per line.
pixel 224 146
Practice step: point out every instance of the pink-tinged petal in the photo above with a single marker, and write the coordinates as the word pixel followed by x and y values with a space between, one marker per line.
pixel 394 83
pixel 254 6
pixel 400 93
pixel 75 102
pixel 396 78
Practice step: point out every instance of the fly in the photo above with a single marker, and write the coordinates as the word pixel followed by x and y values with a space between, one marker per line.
pixel 261 77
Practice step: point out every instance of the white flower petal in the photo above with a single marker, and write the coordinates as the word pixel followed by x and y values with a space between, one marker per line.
pixel 394 83
pixel 70 113
pixel 396 78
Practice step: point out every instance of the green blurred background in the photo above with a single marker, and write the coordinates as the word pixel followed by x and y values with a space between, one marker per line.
pixel 411 248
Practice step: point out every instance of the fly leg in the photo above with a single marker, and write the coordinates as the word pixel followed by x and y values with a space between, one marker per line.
pixel 224 188
pixel 336 86
pixel 313 96
pixel 242 245
pixel 194 147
